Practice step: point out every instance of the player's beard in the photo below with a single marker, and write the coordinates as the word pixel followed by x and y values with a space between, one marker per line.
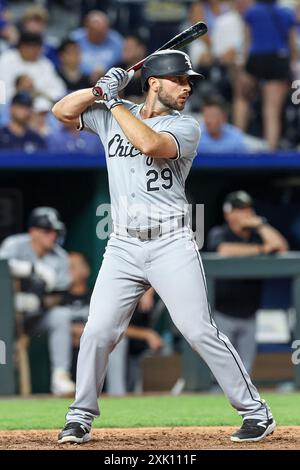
pixel 168 102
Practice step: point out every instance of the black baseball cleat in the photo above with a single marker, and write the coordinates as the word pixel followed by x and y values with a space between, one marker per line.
pixel 74 432
pixel 254 430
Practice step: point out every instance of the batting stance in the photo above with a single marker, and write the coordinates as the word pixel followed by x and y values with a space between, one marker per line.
pixel 149 152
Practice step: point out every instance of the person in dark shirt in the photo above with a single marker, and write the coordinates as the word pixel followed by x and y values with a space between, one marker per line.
pixel 17 135
pixel 69 66
pixel 134 50
pixel 243 234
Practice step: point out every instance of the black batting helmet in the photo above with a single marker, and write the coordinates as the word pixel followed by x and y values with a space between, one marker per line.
pixel 47 218
pixel 165 63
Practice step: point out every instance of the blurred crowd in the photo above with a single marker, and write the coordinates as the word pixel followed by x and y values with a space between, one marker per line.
pixel 250 57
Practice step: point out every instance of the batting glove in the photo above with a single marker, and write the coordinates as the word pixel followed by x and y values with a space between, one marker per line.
pixel 107 87
pixel 121 76
pixel 107 90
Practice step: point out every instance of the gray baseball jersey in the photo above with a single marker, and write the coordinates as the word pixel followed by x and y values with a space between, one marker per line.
pixel 139 183
pixel 171 264
pixel 18 248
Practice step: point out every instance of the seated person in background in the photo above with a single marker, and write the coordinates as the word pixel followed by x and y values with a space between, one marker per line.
pixel 28 59
pixel 8 32
pixel 124 368
pixel 41 267
pixel 134 50
pixel 17 135
pixel 101 46
pixel 25 83
pixel 69 66
pixel 68 139
pixel 243 234
pixel 35 20
pixel 217 135
pixel 22 83
pixel 41 119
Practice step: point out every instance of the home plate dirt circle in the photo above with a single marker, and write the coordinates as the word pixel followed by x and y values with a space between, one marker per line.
pixel 179 438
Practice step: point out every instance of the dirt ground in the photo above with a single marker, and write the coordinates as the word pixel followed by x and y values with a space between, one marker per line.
pixel 185 438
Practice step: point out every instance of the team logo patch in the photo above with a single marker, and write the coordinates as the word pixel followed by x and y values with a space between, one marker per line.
pixel 188 62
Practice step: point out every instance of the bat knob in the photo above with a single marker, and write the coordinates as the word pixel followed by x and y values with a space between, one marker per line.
pixel 97 91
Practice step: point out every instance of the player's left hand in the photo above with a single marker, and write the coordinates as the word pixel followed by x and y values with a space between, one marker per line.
pixel 120 75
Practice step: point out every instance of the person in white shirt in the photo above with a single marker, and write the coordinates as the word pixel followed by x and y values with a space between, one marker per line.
pixel 28 59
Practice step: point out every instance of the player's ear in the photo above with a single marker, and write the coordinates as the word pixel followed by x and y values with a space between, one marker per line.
pixel 153 84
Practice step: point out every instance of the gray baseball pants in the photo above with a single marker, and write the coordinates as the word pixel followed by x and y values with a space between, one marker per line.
pixel 172 265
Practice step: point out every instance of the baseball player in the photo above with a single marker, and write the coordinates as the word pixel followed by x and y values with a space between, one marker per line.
pixel 42 268
pixel 149 151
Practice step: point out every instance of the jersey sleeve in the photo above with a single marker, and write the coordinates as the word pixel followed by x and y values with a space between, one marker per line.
pixel 94 119
pixel 186 133
pixel 9 249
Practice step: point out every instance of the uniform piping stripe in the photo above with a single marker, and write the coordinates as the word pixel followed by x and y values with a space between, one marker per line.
pixel 218 331
pixel 179 172
pixel 177 145
pixel 81 123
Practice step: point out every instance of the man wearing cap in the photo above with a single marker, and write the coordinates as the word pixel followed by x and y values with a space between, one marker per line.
pixel 243 234
pixel 28 59
pixel 41 267
pixel 17 135
pixel 42 120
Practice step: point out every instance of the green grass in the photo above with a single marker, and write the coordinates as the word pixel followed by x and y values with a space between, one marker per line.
pixel 185 410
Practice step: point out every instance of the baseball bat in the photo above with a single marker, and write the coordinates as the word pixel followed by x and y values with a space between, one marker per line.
pixel 177 42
